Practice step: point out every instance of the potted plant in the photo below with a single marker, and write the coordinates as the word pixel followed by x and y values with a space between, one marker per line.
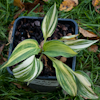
pixel 29 66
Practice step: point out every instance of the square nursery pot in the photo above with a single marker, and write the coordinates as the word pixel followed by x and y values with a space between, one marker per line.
pixel 30 27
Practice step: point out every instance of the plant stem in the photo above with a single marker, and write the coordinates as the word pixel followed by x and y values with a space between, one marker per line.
pixel 40 57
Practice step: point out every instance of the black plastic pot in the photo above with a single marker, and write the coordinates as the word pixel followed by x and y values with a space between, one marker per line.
pixel 42 83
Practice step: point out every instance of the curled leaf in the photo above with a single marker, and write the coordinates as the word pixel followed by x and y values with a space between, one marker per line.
pixel 86 33
pixel 28 69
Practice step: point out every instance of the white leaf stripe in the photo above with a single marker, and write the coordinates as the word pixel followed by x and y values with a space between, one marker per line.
pixel 33 75
pixel 44 27
pixel 79 44
pixel 49 22
pixel 28 70
pixel 26 44
pixel 23 65
pixel 63 80
pixel 19 54
pixel 39 65
pixel 52 17
pixel 22 69
pixel 64 77
pixel 82 78
pixel 85 91
pixel 19 57
pixel 68 37
pixel 23 50
pixel 53 27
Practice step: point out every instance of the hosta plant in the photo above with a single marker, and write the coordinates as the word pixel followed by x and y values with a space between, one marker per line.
pixel 73 82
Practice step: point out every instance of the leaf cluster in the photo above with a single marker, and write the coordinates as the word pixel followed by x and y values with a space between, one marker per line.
pixel 72 82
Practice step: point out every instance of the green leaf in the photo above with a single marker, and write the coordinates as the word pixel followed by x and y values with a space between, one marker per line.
pixel 23 50
pixel 79 44
pixel 84 85
pixel 50 22
pixel 55 48
pixel 65 77
pixel 28 69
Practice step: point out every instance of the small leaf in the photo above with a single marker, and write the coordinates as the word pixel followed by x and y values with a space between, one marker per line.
pixel 50 22
pixel 86 33
pixel 23 50
pixel 28 69
pixel 65 77
pixel 69 37
pixel 56 48
pixel 79 44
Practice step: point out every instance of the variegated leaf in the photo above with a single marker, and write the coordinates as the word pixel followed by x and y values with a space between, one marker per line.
pixel 65 77
pixel 83 77
pixel 85 91
pixel 23 50
pixel 50 22
pixel 79 44
pixel 68 37
pixel 28 69
pixel 56 48
pixel 84 85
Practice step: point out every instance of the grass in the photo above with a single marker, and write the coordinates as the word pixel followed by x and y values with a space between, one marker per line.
pixel 86 17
